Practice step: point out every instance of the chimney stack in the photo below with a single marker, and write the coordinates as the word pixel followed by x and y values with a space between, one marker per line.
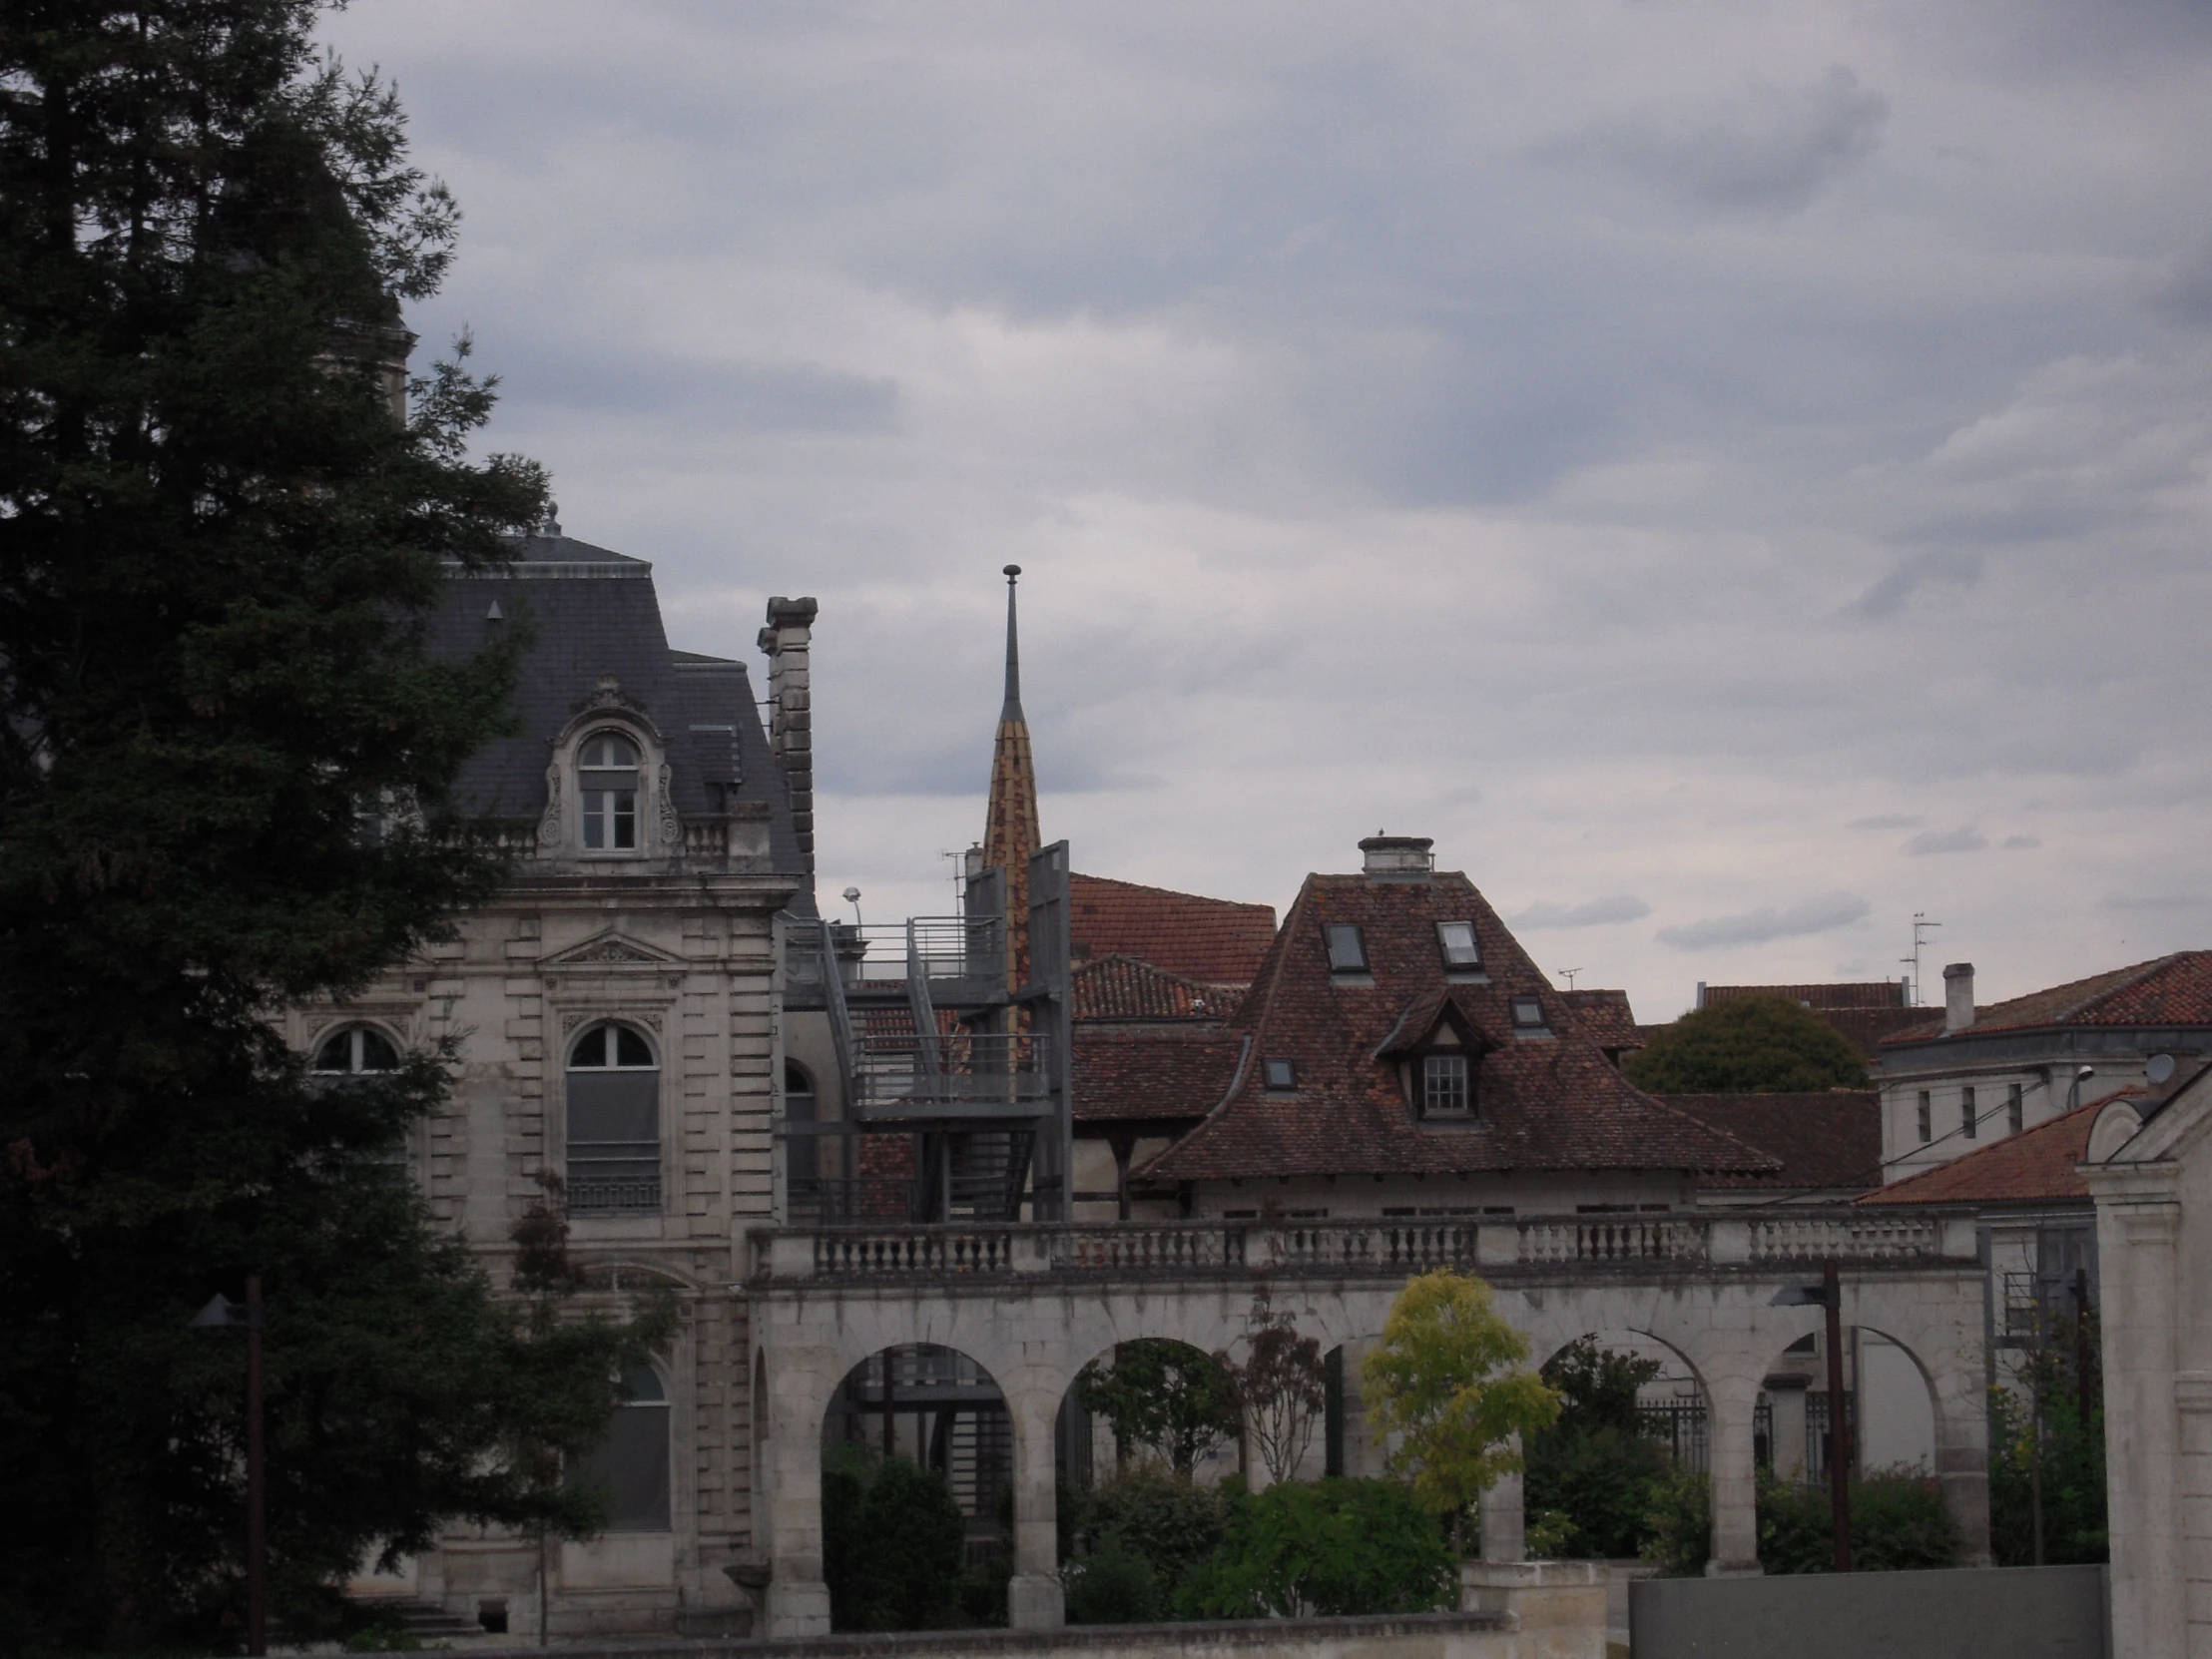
pixel 1397 858
pixel 790 731
pixel 1957 996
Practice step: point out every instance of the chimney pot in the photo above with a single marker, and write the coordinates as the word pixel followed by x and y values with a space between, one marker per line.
pixel 1957 996
pixel 1398 857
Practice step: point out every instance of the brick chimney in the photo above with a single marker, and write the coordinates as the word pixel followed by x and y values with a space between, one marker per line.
pixel 791 731
pixel 1957 996
pixel 1397 858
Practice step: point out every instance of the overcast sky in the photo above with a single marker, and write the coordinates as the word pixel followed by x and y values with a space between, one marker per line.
pixel 1735 474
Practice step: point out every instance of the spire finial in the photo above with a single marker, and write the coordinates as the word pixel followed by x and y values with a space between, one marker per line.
pixel 1012 707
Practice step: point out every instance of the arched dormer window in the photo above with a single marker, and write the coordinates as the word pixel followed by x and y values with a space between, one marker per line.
pixel 353 1050
pixel 607 788
pixel 614 1122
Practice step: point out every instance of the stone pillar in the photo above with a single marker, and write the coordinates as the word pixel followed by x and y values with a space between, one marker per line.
pixel 1033 1597
pixel 1731 1403
pixel 1504 1518
pixel 787 639
pixel 2138 1229
pixel 789 1496
pixel 1960 1395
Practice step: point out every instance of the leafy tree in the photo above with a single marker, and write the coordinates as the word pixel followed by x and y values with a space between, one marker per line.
pixel 1748 1045
pixel 1594 1469
pixel 1328 1546
pixel 2070 1451
pixel 893 1540
pixel 223 539
pixel 1169 1519
pixel 1164 1395
pixel 1449 1379
pixel 1279 1390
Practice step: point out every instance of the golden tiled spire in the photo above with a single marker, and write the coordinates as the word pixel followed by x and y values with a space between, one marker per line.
pixel 1010 826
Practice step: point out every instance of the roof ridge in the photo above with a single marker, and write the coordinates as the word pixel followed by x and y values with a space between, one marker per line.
pixel 2124 979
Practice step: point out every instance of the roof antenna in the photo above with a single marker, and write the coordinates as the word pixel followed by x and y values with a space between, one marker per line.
pixel 1568 975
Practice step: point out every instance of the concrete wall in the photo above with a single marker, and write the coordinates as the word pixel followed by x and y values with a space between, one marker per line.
pixel 1992 1614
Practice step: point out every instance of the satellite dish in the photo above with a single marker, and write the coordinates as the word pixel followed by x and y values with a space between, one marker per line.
pixel 2159 1067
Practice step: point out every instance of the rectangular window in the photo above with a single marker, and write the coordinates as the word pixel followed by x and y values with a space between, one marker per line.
pixel 1459 947
pixel 1966 1123
pixel 1347 952
pixel 614 1142
pixel 2015 1109
pixel 1443 1086
pixel 1528 1014
pixel 1281 1074
pixel 1928 1118
pixel 611 819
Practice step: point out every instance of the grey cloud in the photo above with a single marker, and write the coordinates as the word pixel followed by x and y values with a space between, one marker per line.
pixel 2186 295
pixel 1595 912
pixel 1948 569
pixel 744 395
pixel 1888 821
pixel 2166 902
pixel 1767 154
pixel 2020 843
pixel 1820 914
pixel 1948 841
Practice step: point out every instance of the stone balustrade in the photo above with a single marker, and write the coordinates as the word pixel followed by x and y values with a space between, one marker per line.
pixel 1639 1244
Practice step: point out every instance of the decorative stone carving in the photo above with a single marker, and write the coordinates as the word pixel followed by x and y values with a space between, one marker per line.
pixel 609 950
pixel 671 829
pixel 549 826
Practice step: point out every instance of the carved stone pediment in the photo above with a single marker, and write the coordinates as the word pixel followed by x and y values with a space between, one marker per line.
pixel 611 949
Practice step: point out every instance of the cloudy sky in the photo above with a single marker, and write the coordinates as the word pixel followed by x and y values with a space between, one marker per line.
pixel 1736 474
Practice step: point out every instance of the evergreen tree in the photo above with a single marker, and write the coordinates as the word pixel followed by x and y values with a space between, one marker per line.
pixel 1749 1044
pixel 226 775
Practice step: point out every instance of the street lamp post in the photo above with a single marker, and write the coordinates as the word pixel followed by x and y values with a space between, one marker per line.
pixel 222 1311
pixel 1829 1295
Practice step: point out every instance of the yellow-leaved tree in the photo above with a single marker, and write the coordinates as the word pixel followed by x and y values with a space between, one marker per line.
pixel 1450 1380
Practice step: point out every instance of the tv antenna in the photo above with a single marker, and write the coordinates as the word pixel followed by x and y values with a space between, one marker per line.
pixel 1568 975
pixel 1921 925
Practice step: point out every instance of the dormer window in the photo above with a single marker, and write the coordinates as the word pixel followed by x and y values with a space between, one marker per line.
pixel 607 779
pixel 1347 952
pixel 1279 1074
pixel 1459 947
pixel 1443 1086
pixel 1528 1014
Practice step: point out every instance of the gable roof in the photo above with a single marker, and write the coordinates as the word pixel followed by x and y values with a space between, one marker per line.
pixel 1825 1142
pixel 2167 991
pixel 1214 942
pixel 1128 1073
pixel 1121 988
pixel 1546 1102
pixel 2037 1166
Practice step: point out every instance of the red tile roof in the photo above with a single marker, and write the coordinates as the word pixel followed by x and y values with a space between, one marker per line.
pixel 2035 1166
pixel 1862 993
pixel 1115 988
pixel 1605 1018
pixel 1212 941
pixel 2169 990
pixel 1826 1142
pixel 1129 1072
pixel 1543 1102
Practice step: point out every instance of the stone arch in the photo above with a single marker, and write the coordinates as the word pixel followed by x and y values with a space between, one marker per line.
pixel 1687 1429
pixel 1085 1448
pixel 941 1408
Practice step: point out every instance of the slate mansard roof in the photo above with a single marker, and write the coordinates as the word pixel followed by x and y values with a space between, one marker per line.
pixel 1543 1102
pixel 591 613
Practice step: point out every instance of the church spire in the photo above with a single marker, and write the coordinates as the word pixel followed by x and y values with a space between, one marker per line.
pixel 1011 822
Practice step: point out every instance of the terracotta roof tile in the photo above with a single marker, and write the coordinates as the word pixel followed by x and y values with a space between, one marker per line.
pixel 1826 1142
pixel 1864 993
pixel 2169 990
pixel 1112 988
pixel 1550 1101
pixel 1605 1018
pixel 1214 942
pixel 2035 1166
pixel 1126 1072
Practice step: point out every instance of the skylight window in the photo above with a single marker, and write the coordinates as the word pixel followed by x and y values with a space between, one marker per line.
pixel 1528 1014
pixel 1347 952
pixel 1281 1074
pixel 1458 943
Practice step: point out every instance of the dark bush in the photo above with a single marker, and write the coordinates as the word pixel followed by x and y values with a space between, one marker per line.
pixel 1113 1584
pixel 1167 1518
pixel 1898 1523
pixel 893 1545
pixel 1748 1045
pixel 1594 1477
pixel 2073 1458
pixel 1327 1546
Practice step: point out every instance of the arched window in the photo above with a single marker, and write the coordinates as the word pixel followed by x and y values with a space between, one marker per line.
pixel 353 1050
pixel 630 1467
pixel 607 779
pixel 614 1122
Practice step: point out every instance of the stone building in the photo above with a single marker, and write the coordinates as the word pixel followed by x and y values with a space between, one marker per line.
pixel 615 1017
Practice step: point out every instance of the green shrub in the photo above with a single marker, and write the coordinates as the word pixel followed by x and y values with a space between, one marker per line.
pixel 1168 1518
pixel 1113 1584
pixel 893 1545
pixel 1679 1528
pixel 1605 1482
pixel 1897 1518
pixel 1749 1043
pixel 2075 1527
pixel 1327 1546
